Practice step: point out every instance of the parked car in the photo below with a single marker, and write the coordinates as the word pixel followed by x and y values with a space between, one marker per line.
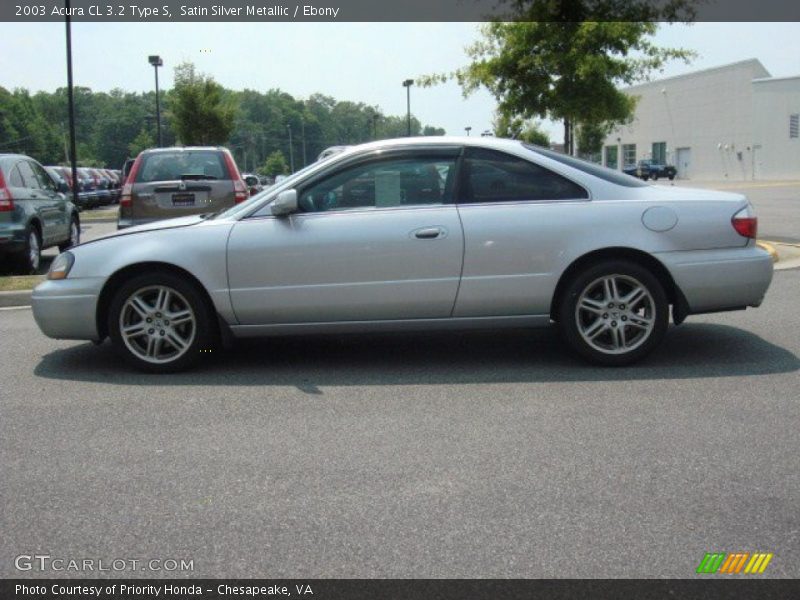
pixel 419 233
pixel 170 182
pixel 102 186
pixel 253 183
pixel 34 213
pixel 90 185
pixel 86 199
pixel 648 169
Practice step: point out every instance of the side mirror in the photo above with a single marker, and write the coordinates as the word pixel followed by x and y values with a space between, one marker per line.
pixel 285 203
pixel 62 187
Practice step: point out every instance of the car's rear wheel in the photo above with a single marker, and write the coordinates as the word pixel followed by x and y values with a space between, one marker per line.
pixel 614 313
pixel 160 322
pixel 30 259
pixel 74 235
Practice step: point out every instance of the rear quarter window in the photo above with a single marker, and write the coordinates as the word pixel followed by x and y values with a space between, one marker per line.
pixel 172 166
pixel 603 173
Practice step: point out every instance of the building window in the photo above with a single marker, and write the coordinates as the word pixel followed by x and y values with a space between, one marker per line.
pixel 794 126
pixel 611 157
pixel 628 155
pixel 660 153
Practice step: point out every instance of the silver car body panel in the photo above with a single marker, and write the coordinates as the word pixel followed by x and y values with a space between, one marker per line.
pixel 363 269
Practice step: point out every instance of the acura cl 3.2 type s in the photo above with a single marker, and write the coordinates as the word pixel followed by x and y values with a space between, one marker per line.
pixel 420 234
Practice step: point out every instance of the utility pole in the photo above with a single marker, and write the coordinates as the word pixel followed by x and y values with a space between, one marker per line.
pixel 71 105
pixel 291 147
pixel 303 134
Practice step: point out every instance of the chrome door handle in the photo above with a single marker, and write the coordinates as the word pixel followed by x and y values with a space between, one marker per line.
pixel 428 233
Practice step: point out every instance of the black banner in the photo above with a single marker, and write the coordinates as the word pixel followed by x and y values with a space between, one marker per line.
pixel 397 589
pixel 362 10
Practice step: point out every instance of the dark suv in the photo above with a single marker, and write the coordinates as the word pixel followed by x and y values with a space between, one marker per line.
pixel 174 182
pixel 34 213
pixel 649 169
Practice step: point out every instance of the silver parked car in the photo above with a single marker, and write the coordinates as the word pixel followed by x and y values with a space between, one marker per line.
pixel 417 233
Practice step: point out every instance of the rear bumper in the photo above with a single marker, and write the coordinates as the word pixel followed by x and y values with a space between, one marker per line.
pixel 12 238
pixel 67 309
pixel 718 280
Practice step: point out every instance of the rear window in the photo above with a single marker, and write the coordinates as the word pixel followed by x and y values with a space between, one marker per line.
pixel 604 173
pixel 172 166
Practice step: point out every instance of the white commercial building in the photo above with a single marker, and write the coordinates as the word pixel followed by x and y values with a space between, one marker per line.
pixel 734 122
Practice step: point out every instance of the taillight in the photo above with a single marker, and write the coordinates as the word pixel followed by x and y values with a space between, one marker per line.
pixel 6 199
pixel 125 198
pixel 745 223
pixel 240 193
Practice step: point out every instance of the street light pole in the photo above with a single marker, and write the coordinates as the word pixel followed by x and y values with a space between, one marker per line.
pixel 407 84
pixel 303 133
pixel 467 129
pixel 157 62
pixel 71 107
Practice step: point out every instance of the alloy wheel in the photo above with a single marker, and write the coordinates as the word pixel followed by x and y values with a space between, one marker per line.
pixel 615 314
pixel 157 324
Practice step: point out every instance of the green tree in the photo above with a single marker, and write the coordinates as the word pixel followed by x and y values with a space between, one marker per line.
pixel 142 141
pixel 201 116
pixel 590 138
pixel 517 128
pixel 565 59
pixel 431 130
pixel 275 165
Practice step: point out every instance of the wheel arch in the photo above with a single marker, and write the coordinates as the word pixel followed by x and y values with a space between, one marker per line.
pixel 648 261
pixel 118 278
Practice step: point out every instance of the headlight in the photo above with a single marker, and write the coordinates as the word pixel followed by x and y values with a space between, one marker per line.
pixel 59 268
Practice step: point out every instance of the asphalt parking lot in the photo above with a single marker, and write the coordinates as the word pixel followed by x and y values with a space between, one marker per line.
pixel 448 455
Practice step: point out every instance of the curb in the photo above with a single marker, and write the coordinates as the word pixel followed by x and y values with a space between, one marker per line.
pixel 15 298
pixel 99 220
pixel 769 248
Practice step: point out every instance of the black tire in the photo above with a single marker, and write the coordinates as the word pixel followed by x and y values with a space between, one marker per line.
pixel 199 344
pixel 655 177
pixel 671 176
pixel 28 261
pixel 642 328
pixel 74 235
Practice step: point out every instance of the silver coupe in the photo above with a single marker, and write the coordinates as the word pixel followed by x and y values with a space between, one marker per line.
pixel 418 233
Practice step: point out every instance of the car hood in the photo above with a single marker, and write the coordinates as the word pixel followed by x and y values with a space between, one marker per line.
pixel 165 224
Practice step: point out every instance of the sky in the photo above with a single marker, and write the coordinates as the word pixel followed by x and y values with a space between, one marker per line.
pixel 362 62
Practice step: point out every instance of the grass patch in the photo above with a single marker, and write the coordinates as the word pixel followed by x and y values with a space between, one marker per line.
pixel 92 215
pixel 13 283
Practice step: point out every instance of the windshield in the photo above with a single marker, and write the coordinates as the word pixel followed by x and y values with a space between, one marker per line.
pixel 604 173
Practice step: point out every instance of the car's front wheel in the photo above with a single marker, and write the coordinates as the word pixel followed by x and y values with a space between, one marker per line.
pixel 160 322
pixel 614 313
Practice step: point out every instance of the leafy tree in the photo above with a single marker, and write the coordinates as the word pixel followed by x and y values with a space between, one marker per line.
pixel 142 141
pixel 275 165
pixel 430 130
pixel 517 128
pixel 565 59
pixel 201 117
pixel 591 137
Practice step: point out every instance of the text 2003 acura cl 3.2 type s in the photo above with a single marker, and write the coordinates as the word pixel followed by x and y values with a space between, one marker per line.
pixel 417 234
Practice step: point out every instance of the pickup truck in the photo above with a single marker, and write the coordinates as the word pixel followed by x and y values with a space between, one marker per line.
pixel 648 169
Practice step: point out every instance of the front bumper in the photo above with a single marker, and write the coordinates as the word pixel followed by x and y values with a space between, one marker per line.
pixel 723 279
pixel 67 309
